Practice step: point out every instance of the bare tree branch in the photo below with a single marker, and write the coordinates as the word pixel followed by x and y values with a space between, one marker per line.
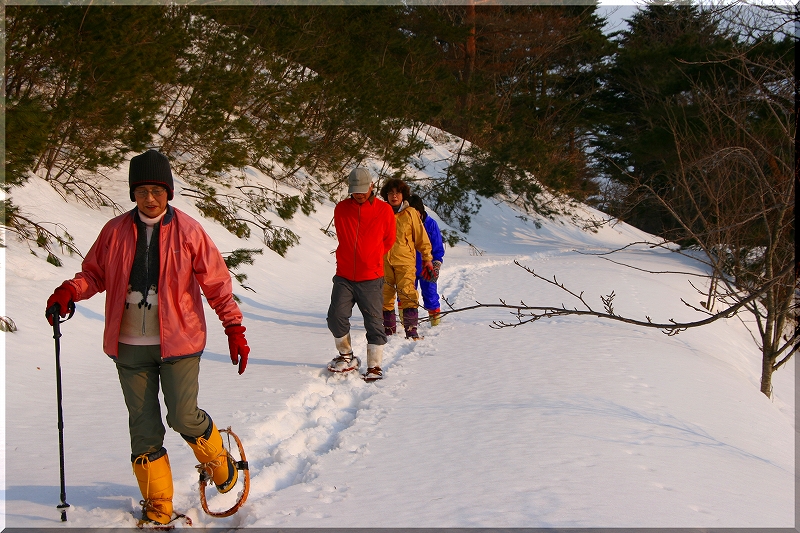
pixel 526 314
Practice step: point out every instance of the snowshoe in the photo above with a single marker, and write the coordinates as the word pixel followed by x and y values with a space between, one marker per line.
pixel 344 363
pixel 214 458
pixel 177 518
pixel 205 478
pixel 373 374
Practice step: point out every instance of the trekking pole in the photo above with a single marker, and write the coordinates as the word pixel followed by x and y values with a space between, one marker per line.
pixel 54 311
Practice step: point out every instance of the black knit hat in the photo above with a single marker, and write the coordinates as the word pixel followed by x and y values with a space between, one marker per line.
pixel 150 168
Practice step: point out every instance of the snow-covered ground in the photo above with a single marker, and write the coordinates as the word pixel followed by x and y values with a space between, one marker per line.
pixel 568 422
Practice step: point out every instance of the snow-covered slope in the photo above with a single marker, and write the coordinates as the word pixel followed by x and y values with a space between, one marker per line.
pixel 567 422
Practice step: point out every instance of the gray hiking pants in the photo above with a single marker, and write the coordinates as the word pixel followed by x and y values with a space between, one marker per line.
pixel 140 369
pixel 368 295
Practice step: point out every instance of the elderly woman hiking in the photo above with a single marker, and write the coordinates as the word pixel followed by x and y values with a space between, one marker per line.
pixel 152 262
pixel 399 265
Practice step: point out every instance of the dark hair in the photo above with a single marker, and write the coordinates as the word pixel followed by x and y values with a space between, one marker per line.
pixel 416 202
pixel 395 184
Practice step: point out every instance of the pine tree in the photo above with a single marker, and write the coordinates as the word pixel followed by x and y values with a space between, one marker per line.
pixel 666 49
pixel 526 75
pixel 83 87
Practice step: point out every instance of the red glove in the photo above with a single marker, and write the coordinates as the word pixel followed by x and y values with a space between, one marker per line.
pixel 427 271
pixel 237 345
pixel 64 296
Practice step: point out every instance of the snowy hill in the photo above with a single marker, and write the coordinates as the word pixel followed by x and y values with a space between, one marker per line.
pixel 568 422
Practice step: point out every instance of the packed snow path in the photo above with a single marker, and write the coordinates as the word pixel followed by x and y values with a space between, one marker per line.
pixel 285 449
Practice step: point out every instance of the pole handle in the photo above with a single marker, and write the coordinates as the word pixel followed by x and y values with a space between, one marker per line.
pixel 55 312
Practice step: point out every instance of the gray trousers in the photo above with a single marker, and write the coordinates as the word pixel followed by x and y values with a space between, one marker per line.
pixel 368 295
pixel 140 370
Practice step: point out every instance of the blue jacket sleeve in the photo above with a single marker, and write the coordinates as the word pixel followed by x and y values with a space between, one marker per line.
pixel 435 235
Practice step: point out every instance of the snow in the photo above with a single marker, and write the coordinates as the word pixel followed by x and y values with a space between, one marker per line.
pixel 566 422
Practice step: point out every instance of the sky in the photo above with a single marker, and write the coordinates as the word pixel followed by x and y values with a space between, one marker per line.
pixel 617 13
pixel 571 422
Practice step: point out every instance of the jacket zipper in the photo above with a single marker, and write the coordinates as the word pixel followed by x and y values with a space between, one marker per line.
pixel 146 277
pixel 355 244
pixel 161 248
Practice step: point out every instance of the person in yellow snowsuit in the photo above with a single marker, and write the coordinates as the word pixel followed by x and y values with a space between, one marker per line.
pixel 399 264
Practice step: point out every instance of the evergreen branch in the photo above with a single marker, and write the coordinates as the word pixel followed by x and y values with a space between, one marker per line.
pixel 29 231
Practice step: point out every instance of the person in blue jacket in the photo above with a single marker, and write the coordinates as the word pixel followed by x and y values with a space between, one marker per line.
pixel 429 289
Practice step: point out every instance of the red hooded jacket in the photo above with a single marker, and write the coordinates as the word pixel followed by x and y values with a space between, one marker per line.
pixel 365 232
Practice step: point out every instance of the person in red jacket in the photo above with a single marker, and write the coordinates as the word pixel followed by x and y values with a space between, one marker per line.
pixel 365 229
pixel 152 262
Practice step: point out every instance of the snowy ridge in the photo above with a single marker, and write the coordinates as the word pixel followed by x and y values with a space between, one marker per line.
pixel 577 422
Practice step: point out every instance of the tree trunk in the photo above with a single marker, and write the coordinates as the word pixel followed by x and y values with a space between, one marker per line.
pixel 465 101
pixel 766 374
pixel 470 46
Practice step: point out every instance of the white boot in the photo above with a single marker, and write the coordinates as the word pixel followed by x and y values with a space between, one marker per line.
pixel 374 355
pixel 374 361
pixel 345 361
pixel 343 345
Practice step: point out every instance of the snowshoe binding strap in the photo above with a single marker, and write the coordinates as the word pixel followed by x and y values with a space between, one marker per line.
pixel 205 478
pixel 146 523
pixel 373 374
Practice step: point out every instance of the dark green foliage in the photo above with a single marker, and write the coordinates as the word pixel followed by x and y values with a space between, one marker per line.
pixel 451 238
pixel 307 203
pixel 362 81
pixel 83 85
pixel 53 260
pixel 527 75
pixel 203 118
pixel 667 50
pixel 287 207
pixel 278 239
pixel 211 206
pixel 9 212
pixel 319 88
pixel 36 233
pixel 241 256
pixel 454 201
pixel 239 213
pixel 237 258
pixel 27 127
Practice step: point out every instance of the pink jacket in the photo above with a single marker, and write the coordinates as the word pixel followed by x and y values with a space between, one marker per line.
pixel 189 262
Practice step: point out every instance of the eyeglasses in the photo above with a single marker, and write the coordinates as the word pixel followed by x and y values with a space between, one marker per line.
pixel 143 193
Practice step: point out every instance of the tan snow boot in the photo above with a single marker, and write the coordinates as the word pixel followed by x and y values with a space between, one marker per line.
pixel 214 458
pixel 154 475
